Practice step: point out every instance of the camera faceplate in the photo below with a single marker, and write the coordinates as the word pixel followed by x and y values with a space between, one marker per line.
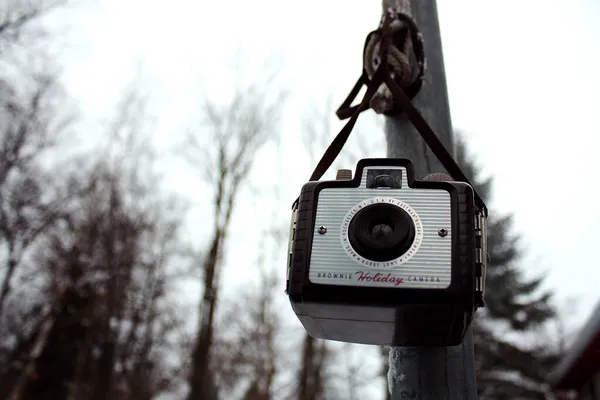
pixel 427 263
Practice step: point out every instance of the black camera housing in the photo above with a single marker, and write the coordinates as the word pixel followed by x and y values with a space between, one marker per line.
pixel 389 315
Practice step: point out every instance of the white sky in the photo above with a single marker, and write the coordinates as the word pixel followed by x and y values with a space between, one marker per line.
pixel 523 85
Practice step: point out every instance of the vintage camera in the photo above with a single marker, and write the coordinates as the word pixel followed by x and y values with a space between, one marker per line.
pixel 385 259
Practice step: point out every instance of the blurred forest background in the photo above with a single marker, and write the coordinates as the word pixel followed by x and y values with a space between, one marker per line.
pixel 96 255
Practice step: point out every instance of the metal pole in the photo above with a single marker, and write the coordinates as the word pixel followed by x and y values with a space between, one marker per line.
pixel 446 373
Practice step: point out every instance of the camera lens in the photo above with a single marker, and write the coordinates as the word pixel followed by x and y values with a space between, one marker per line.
pixel 381 232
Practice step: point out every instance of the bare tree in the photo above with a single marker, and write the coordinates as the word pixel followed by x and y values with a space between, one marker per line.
pixel 105 332
pixel 245 349
pixel 311 379
pixel 29 203
pixel 83 305
pixel 232 135
pixel 31 122
pixel 106 270
pixel 16 14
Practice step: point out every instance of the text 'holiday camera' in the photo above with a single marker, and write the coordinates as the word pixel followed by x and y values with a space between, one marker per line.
pixel 385 259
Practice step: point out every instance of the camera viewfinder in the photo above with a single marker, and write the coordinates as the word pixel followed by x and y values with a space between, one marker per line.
pixel 384 179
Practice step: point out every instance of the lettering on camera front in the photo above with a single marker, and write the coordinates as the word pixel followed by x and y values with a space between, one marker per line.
pixel 423 279
pixel 330 275
pixel 365 276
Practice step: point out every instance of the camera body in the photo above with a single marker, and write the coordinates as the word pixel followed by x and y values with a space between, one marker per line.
pixel 385 259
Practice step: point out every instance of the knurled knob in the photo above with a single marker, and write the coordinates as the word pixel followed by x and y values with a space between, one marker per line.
pixel 438 176
pixel 343 175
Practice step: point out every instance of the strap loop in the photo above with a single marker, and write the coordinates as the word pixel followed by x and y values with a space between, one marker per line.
pixel 406 57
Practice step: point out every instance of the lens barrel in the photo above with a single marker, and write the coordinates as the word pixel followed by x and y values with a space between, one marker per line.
pixel 381 232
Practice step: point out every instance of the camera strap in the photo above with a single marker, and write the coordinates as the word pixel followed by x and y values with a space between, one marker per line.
pixel 401 100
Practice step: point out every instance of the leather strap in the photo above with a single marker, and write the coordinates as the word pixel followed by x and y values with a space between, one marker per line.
pixel 432 140
pixel 404 104
pixel 338 143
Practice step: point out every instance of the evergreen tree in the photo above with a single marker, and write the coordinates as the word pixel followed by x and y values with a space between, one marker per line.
pixel 515 307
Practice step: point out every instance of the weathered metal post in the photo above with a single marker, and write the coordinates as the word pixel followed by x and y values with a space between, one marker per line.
pixel 446 373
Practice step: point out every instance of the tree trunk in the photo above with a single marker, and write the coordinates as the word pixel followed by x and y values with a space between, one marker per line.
pixel 310 378
pixel 307 357
pixel 201 384
pixel 10 271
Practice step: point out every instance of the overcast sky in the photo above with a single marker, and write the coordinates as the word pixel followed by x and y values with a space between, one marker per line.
pixel 523 86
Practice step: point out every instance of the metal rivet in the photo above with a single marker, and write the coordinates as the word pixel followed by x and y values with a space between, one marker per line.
pixel 322 229
pixel 442 232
